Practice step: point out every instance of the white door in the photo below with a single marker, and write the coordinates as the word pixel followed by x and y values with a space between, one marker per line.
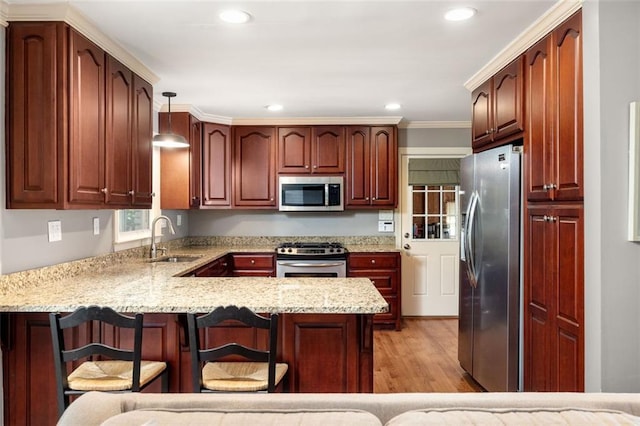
pixel 429 230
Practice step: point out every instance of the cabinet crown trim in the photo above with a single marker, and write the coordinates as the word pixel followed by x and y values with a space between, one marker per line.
pixel 68 14
pixel 557 14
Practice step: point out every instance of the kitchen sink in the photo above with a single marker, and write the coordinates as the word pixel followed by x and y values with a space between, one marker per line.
pixel 176 259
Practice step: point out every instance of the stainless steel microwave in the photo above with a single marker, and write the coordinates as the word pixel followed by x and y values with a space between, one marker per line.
pixel 311 193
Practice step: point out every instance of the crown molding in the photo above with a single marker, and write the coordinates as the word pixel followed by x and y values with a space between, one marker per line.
pixel 435 125
pixel 68 14
pixel 541 27
pixel 317 121
pixel 4 6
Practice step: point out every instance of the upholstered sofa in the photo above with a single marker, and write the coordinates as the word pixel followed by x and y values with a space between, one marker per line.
pixel 96 408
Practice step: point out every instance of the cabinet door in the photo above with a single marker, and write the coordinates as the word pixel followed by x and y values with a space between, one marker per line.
pixel 508 100
pixel 86 138
pixel 118 147
pixel 294 150
pixel 358 170
pixel 216 165
pixel 567 60
pixel 481 121
pixel 142 143
pixel 34 130
pixel 554 300
pixel 328 149
pixel 538 149
pixel 383 173
pixel 306 339
pixel 254 167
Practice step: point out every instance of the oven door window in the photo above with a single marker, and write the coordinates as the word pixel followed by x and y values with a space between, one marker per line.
pixel 303 195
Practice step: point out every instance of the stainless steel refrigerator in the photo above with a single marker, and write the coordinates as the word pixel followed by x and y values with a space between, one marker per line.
pixel 490 279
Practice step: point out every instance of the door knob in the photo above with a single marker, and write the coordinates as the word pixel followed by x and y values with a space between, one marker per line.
pixel 407 246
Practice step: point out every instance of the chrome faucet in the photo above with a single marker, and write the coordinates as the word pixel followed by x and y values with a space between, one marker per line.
pixel 154 249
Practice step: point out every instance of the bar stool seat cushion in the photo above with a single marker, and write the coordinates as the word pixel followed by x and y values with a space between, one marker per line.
pixel 239 376
pixel 112 375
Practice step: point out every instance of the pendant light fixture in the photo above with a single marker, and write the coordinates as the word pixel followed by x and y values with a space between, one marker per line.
pixel 169 139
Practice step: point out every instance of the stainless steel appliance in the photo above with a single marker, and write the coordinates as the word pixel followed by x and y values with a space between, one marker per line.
pixel 311 193
pixel 301 259
pixel 490 278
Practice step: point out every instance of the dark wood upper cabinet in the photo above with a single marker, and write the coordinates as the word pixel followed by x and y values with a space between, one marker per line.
pixel 119 146
pixel 254 166
pixel 482 115
pixel 372 153
pixel 142 185
pixel 70 134
pixel 317 149
pixel 36 130
pixel 216 165
pixel 554 115
pixel 294 150
pixel 328 149
pixel 497 107
pixel 87 124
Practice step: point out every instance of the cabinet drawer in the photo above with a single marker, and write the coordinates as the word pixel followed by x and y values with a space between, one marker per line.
pixel 373 260
pixel 253 261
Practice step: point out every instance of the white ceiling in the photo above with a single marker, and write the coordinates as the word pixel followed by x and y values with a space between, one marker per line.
pixel 317 58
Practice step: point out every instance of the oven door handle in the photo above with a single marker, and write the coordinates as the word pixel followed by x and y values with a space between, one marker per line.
pixel 304 265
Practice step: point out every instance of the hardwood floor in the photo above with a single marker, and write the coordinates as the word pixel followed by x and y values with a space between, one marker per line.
pixel 422 357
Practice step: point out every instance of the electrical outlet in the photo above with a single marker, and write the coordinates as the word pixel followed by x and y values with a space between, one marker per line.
pixel 179 220
pixel 96 226
pixel 55 230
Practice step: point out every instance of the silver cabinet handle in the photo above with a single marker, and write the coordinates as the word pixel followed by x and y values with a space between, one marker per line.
pixel 305 265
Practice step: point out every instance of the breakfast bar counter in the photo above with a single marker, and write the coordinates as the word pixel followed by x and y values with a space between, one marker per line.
pixel 326 324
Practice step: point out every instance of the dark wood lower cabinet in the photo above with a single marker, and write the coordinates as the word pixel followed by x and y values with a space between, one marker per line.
pixel 325 353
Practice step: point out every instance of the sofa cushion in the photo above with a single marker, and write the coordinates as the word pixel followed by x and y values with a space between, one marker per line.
pixel 533 417
pixel 162 417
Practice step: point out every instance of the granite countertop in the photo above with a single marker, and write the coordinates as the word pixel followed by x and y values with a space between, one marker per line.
pixel 138 285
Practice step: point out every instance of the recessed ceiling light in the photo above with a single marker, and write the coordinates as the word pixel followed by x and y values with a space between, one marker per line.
pixel 392 106
pixel 460 14
pixel 235 16
pixel 274 107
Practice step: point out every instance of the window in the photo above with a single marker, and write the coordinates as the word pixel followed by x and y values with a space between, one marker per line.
pixel 130 225
pixel 434 212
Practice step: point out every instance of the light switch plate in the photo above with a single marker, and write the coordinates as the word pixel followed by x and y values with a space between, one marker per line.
pixel 55 230
pixel 96 226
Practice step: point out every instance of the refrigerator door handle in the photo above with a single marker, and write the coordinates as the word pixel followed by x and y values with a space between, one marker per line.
pixel 471 261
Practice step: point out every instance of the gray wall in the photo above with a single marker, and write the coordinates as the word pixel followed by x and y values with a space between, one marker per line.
pixel 612 264
pixel 434 137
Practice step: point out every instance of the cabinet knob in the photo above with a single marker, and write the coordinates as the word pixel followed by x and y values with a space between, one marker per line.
pixel 486 132
pixel 315 167
pixel 306 166
pixel 373 261
pixel 253 261
pixel 373 198
pixel 153 194
pixel 406 246
pixel 407 235
pixel 366 198
pixel 103 190
pixel 132 192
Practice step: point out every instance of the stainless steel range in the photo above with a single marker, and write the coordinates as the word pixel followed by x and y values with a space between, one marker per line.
pixel 301 259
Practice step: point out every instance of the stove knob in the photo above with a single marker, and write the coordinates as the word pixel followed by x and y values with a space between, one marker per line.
pixel 331 250
pixel 290 250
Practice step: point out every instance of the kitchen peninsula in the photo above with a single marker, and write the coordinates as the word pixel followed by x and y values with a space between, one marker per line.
pixel 326 327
